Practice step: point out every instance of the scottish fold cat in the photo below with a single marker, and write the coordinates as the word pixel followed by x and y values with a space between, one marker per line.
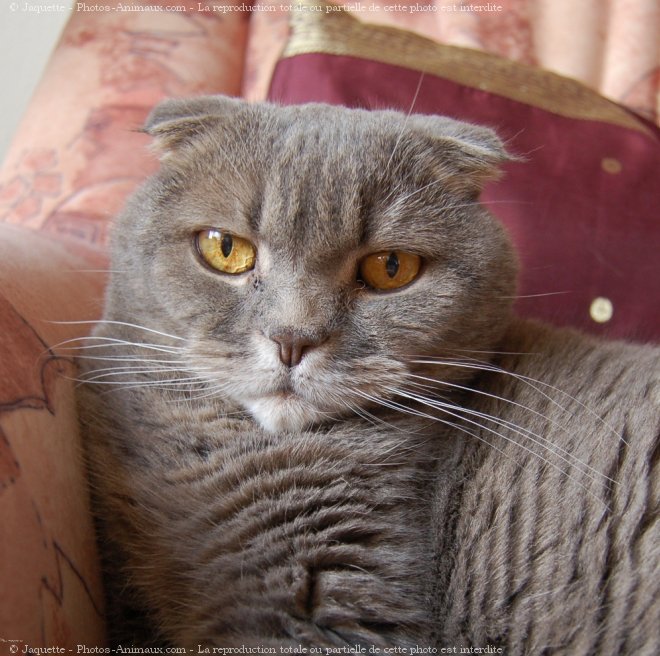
pixel 313 422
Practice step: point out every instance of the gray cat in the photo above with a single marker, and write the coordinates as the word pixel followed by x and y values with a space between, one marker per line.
pixel 316 425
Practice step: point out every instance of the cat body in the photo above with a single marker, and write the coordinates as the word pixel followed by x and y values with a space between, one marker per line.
pixel 325 428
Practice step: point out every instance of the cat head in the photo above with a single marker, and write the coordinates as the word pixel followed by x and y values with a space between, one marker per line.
pixel 309 255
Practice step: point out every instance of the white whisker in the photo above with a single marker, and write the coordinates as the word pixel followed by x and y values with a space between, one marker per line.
pixel 480 352
pixel 370 417
pixel 517 428
pixel 210 391
pixel 167 382
pixel 88 377
pixel 127 358
pixel 430 403
pixel 531 382
pixel 403 408
pixel 405 121
pixel 118 323
pixel 402 199
pixel 393 405
pixel 111 341
pixel 95 271
pixel 557 451
pixel 537 295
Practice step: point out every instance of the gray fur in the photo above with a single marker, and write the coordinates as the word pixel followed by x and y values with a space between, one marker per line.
pixel 339 502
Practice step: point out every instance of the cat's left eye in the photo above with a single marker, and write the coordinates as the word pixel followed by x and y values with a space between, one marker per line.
pixel 390 269
pixel 226 252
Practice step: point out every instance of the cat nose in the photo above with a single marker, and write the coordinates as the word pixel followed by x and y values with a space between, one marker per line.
pixel 293 346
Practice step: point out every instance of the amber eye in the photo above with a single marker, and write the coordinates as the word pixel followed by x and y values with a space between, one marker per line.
pixel 390 269
pixel 226 252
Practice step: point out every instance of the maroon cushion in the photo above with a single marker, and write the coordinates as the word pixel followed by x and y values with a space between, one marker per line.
pixel 583 207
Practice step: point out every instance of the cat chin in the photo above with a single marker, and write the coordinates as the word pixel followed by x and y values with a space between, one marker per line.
pixel 283 413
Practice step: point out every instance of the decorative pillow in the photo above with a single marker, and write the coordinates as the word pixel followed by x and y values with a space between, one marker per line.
pixel 581 208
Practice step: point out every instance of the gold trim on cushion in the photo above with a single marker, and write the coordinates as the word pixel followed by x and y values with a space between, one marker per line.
pixel 338 33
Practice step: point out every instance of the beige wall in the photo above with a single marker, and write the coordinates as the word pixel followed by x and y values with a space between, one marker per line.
pixel 26 41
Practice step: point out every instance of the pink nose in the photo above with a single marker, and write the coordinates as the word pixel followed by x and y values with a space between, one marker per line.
pixel 293 346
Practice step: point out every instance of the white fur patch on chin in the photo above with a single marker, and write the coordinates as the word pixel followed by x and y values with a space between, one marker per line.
pixel 283 413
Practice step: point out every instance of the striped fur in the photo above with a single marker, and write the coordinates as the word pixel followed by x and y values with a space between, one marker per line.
pixel 552 558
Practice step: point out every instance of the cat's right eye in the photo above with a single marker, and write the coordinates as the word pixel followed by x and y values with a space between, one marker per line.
pixel 389 270
pixel 226 252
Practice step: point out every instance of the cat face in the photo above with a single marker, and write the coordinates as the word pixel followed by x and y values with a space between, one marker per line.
pixel 308 255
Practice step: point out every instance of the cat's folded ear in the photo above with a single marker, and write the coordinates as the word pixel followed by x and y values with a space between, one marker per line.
pixel 465 155
pixel 178 121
